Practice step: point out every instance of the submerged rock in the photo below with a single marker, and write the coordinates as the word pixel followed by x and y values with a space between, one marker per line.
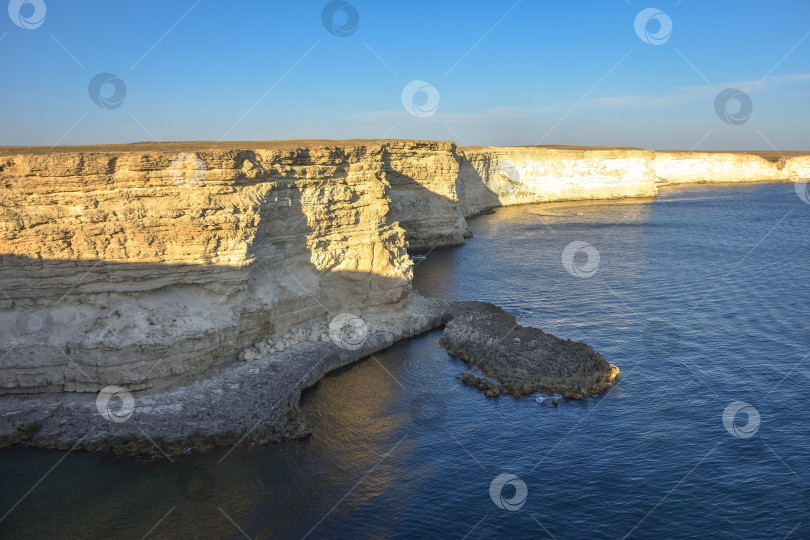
pixel 523 359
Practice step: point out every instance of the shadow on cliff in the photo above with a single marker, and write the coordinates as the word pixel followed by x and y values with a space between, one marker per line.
pixel 432 219
pixel 80 325
pixel 82 341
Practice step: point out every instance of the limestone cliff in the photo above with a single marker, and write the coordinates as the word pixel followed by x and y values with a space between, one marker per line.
pixel 798 168
pixel 521 175
pixel 138 268
pixel 703 167
pixel 149 264
pixel 425 184
pixel 726 167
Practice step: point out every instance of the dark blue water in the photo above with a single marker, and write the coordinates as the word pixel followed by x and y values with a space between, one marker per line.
pixel 700 297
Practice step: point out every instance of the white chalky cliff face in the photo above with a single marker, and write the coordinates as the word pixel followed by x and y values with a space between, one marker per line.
pixel 149 266
pixel 520 175
pixel 719 167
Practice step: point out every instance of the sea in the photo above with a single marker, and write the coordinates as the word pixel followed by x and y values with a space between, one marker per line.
pixel 700 296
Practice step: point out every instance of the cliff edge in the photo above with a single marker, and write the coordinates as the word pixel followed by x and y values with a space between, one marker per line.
pixel 153 264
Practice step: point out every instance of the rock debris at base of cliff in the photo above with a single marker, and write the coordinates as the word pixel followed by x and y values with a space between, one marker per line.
pixel 151 266
pixel 256 402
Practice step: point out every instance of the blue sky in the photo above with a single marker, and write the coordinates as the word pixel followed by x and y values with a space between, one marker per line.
pixel 505 73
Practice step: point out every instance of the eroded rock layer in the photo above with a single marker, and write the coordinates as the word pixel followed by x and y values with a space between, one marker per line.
pixel 727 167
pixel 142 268
pixel 520 175
pixel 152 264
pixel 257 401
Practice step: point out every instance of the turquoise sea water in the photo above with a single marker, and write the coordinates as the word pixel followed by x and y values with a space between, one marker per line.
pixel 700 296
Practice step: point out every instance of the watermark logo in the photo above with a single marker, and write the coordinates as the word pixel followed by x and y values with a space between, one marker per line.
pixel 572 257
pixel 516 501
pixel 420 99
pixel 27 14
pixel 340 18
pixel 646 20
pixel 115 404
pixel 99 90
pixel 188 170
pixel 196 483
pixel 36 325
pixel 661 338
pixel 730 419
pixel 803 189
pixel 348 331
pixel 726 113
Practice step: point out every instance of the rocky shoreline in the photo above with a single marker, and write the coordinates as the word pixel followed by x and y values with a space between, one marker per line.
pixel 167 296
pixel 256 401
pixel 249 402
pixel 150 266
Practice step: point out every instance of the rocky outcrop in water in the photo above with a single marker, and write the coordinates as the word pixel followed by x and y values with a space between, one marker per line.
pixel 524 359
pixel 256 401
pixel 488 387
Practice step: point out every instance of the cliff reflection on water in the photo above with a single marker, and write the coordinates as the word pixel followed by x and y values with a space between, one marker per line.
pixel 722 265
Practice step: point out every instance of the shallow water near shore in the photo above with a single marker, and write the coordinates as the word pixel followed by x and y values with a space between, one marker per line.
pixel 700 297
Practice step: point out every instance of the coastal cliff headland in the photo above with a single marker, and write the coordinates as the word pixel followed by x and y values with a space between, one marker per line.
pixel 191 273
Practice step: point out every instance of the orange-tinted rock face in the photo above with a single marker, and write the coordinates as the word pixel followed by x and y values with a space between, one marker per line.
pixel 138 268
pixel 153 263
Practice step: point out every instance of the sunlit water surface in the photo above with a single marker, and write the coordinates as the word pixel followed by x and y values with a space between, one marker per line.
pixel 402 449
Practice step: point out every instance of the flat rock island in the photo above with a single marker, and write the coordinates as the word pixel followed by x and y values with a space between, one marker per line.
pixel 522 359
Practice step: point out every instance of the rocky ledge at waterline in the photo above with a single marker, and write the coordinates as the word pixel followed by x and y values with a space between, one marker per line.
pixel 155 264
pixel 523 359
pixel 256 401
